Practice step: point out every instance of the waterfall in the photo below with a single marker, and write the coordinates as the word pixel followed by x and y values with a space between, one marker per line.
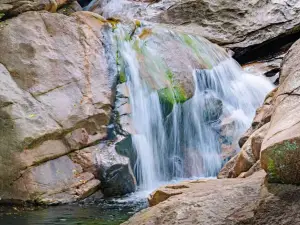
pixel 177 135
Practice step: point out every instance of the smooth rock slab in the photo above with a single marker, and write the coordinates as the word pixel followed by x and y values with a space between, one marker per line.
pixel 56 181
pixel 236 201
pixel 217 202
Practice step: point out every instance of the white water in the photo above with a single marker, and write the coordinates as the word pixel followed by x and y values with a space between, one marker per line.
pixel 186 143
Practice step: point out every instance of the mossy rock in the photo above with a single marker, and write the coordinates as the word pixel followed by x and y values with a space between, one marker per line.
pixel 281 162
pixel 170 96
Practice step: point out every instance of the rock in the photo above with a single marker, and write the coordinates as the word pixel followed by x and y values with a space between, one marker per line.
pixel 248 156
pixel 256 167
pixel 227 169
pixel 56 96
pixel 125 148
pixel 164 193
pixel 280 148
pixel 239 25
pixel 48 150
pixel 175 82
pixel 123 109
pixel 86 158
pixel 268 68
pixel 56 181
pixel 114 172
pixel 77 139
pixel 70 8
pixel 22 123
pixel 214 108
pixel 13 8
pixel 228 201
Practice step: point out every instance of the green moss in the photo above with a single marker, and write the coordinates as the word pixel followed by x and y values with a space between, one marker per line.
pixel 122 77
pixel 272 169
pixel 171 95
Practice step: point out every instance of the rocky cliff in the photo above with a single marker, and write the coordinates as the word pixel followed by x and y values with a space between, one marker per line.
pixel 57 93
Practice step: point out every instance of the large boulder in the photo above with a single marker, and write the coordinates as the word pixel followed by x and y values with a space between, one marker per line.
pixel 240 25
pixel 115 172
pixel 280 149
pixel 229 201
pixel 56 95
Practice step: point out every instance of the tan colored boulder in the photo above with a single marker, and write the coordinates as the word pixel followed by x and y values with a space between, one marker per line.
pixel 55 82
pixel 256 167
pixel 280 148
pixel 163 194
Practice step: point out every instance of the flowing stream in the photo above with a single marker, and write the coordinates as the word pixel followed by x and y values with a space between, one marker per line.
pixel 176 135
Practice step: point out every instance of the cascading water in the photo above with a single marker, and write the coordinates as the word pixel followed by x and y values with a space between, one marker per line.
pixel 177 134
